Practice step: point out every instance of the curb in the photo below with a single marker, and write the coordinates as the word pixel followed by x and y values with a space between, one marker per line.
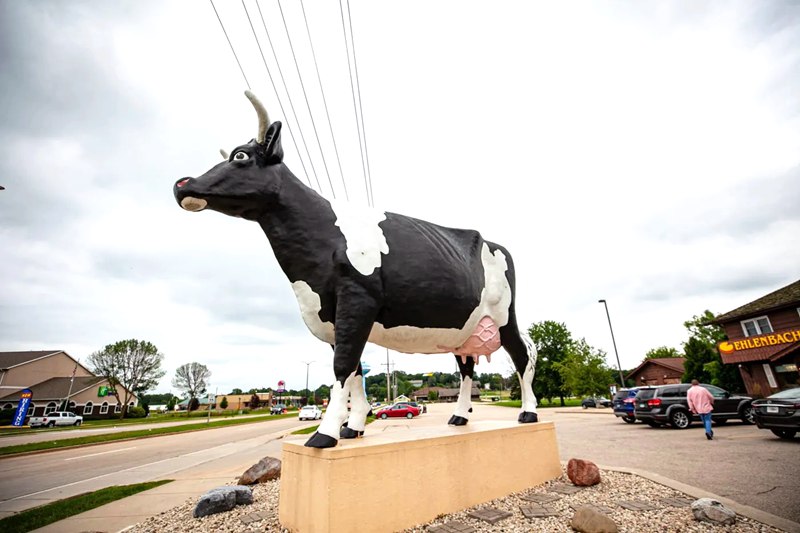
pixel 758 515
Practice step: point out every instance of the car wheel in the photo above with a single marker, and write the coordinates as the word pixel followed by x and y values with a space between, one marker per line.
pixel 584 405
pixel 628 419
pixel 51 425
pixel 747 415
pixel 784 433
pixel 679 419
pixel 384 416
pixel 77 422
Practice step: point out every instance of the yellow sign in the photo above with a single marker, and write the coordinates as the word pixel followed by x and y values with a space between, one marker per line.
pixel 770 339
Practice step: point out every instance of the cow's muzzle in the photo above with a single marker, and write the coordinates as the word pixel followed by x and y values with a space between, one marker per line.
pixel 186 201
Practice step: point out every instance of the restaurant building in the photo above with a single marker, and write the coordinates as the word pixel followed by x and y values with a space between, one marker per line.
pixel 764 341
pixel 657 371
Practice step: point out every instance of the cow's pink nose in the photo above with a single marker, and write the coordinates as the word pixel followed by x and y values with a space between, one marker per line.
pixel 182 182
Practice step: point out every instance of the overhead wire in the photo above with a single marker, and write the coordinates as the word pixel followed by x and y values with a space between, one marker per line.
pixel 229 43
pixel 288 95
pixel 305 96
pixel 361 110
pixel 355 110
pixel 325 102
pixel 280 103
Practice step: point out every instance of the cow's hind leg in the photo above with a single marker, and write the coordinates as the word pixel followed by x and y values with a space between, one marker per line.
pixel 523 354
pixel 464 406
pixel 359 408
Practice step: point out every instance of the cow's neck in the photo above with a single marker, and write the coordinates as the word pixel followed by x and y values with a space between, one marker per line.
pixel 298 226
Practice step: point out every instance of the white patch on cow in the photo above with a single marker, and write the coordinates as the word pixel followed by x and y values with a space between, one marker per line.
pixel 365 239
pixel 464 398
pixel 310 306
pixel 526 380
pixel 336 413
pixel 494 303
pixel 359 406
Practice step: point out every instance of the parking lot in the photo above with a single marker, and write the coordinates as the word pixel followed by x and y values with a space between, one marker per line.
pixel 743 463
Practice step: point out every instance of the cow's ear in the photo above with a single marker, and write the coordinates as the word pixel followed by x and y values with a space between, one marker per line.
pixel 273 151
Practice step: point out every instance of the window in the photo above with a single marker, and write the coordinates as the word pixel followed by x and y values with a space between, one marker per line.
pixel 87 409
pixel 716 392
pixel 50 408
pixel 756 326
pixel 117 408
pixel 104 408
pixel 31 408
pixel 71 406
pixel 670 392
pixel 8 406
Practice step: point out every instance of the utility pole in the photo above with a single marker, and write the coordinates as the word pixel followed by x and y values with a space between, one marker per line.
pixel 619 367
pixel 388 366
pixel 308 365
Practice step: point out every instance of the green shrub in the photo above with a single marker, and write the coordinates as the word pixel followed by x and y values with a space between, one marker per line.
pixel 136 412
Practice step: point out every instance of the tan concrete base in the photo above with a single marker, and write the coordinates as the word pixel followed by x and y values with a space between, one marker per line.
pixel 396 479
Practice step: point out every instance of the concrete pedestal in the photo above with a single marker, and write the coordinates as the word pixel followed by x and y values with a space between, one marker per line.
pixel 393 480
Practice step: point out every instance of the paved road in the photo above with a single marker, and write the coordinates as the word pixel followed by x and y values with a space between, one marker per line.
pixel 745 464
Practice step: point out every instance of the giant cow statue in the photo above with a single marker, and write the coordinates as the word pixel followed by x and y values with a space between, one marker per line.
pixel 362 275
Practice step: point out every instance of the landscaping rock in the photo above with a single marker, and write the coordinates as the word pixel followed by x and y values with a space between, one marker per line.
pixel 265 470
pixel 583 473
pixel 222 499
pixel 587 520
pixel 708 510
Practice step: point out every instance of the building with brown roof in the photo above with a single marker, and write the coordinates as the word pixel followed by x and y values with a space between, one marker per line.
pixel 445 394
pixel 764 341
pixel 49 376
pixel 658 371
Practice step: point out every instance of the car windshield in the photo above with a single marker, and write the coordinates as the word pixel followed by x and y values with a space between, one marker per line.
pixel 786 394
pixel 645 393
pixel 621 394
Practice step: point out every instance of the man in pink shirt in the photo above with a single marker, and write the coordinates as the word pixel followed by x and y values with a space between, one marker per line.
pixel 701 402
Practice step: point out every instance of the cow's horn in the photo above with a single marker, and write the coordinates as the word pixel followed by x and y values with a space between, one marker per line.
pixel 263 117
pixel 223 153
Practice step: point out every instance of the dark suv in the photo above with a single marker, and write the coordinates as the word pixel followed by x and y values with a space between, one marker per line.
pixel 666 404
pixel 623 403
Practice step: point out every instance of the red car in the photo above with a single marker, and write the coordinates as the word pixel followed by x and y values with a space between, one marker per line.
pixel 408 411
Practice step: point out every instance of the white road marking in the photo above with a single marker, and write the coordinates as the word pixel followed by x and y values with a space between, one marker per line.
pixel 101 453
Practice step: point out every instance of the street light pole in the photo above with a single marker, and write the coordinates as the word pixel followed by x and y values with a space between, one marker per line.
pixel 308 365
pixel 619 367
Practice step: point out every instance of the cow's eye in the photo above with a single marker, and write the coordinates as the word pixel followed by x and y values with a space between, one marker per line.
pixel 240 156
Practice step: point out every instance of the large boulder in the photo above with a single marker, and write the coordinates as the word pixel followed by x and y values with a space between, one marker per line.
pixel 222 499
pixel 583 473
pixel 265 470
pixel 708 510
pixel 587 520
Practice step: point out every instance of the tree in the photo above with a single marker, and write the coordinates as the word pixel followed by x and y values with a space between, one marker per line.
pixel 584 370
pixel 662 352
pixel 192 378
pixel 193 405
pixel 224 403
pixel 553 341
pixel 433 395
pixel 703 361
pixel 237 391
pixel 131 364
pixel 255 401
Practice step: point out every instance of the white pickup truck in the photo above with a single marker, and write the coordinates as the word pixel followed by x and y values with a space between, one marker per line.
pixel 56 418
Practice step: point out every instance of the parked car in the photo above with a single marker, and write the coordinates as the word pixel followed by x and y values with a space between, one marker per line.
pixel 595 401
pixel 623 402
pixel 666 404
pixel 399 409
pixel 310 412
pixel 277 409
pixel 421 407
pixel 56 418
pixel 779 413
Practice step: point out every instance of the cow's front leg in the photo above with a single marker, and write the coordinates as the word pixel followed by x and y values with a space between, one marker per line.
pixel 466 365
pixel 359 409
pixel 355 314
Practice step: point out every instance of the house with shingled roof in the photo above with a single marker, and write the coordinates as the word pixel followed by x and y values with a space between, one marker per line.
pixel 764 341
pixel 58 382
pixel 658 371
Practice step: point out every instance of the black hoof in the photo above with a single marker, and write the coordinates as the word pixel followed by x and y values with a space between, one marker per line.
pixel 457 421
pixel 526 417
pixel 318 440
pixel 347 433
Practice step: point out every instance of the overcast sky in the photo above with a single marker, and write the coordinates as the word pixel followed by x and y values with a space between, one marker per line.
pixel 647 153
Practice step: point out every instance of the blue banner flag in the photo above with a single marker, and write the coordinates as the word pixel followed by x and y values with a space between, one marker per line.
pixel 22 408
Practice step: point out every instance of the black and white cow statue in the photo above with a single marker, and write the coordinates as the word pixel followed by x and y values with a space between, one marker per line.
pixel 363 275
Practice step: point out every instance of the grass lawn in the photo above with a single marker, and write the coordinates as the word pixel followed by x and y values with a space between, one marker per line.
pixel 53 512
pixel 569 402
pixel 137 433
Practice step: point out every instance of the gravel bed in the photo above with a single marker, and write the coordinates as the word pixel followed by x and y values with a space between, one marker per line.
pixel 615 487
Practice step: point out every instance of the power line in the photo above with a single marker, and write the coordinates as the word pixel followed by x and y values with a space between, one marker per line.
pixel 277 95
pixel 324 101
pixel 355 110
pixel 305 96
pixel 358 86
pixel 229 44
pixel 289 96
